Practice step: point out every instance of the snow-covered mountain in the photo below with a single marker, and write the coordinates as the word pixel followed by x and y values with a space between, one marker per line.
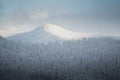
pixel 47 33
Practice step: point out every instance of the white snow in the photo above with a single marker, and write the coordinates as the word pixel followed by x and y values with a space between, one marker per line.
pixel 63 33
pixel 48 33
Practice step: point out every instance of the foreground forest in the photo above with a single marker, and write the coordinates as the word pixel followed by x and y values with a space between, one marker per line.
pixel 85 59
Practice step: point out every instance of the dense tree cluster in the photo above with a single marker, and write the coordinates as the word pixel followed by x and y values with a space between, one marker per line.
pixel 85 59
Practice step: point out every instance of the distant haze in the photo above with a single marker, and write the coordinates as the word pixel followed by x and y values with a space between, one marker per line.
pixel 99 17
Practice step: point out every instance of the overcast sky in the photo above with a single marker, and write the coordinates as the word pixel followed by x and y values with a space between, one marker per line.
pixel 100 17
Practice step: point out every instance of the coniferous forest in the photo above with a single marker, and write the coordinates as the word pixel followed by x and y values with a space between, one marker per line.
pixel 84 59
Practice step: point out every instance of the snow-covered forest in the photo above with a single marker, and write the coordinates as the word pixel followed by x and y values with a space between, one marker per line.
pixel 84 59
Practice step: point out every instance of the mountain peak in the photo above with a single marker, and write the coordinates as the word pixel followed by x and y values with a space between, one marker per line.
pixel 63 33
pixel 57 31
pixel 45 27
pixel 47 33
pixel 39 28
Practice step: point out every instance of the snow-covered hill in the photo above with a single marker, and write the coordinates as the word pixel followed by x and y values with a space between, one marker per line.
pixel 47 33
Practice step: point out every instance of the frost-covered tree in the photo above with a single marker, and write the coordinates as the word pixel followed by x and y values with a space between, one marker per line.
pixel 86 59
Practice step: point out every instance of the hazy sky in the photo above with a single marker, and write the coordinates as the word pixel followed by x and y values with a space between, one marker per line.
pixel 89 16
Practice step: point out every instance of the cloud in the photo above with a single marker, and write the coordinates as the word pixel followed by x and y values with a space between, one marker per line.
pixel 14 23
pixel 39 15
pixel 20 21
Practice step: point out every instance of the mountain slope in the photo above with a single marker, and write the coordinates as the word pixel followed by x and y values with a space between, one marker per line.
pixel 47 33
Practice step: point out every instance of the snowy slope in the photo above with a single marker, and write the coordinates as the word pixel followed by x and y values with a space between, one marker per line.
pixel 47 33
